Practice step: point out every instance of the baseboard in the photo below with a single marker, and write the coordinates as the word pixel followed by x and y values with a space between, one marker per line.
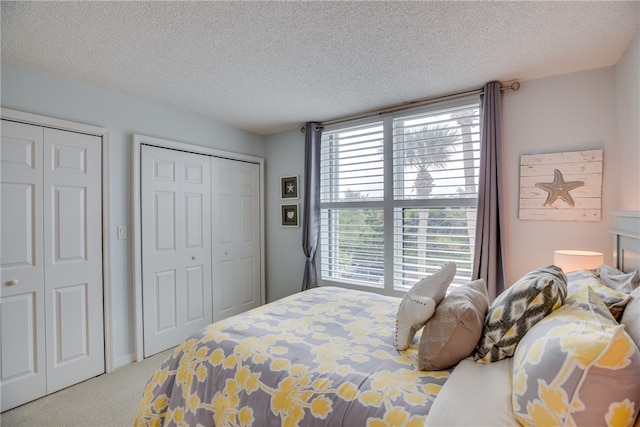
pixel 124 360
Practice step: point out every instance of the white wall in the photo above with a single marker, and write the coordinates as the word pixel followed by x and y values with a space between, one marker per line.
pixel 563 113
pixel 628 112
pixel 585 110
pixel 284 154
pixel 32 92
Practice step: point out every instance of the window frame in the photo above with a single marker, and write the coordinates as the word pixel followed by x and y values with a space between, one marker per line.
pixel 389 204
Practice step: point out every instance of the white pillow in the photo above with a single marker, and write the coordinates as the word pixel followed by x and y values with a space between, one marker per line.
pixel 419 304
pixel 476 394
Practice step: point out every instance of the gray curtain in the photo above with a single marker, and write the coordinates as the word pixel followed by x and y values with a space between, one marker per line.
pixel 311 212
pixel 488 261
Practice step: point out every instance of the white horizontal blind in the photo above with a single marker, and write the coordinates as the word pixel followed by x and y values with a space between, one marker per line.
pixel 436 158
pixel 437 154
pixel 427 238
pixel 353 245
pixel 431 188
pixel 352 164
pixel 352 194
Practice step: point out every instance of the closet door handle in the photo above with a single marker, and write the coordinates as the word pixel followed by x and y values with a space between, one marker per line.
pixel 12 282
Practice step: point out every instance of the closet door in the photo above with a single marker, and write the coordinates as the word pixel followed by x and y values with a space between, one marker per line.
pixel 176 246
pixel 51 303
pixel 22 265
pixel 236 236
pixel 73 257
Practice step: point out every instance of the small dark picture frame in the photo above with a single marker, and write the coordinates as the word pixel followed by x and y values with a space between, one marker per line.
pixel 289 215
pixel 289 187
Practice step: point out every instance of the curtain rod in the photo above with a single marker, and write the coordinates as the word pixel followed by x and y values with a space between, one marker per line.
pixel 514 86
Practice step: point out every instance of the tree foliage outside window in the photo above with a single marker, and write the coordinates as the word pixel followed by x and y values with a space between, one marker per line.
pixel 398 197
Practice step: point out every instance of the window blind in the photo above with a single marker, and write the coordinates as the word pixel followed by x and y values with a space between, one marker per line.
pixel 430 182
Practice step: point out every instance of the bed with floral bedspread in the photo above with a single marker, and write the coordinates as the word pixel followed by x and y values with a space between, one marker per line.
pixel 320 357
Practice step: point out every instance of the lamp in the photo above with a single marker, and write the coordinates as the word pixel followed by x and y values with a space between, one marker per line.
pixel 571 260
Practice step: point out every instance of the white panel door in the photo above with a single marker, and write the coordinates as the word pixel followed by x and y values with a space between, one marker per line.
pixel 22 268
pixel 73 257
pixel 236 236
pixel 175 192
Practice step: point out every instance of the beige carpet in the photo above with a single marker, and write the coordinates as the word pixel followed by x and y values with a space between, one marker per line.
pixel 108 400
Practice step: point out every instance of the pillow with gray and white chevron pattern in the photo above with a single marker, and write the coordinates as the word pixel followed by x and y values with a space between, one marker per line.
pixel 518 309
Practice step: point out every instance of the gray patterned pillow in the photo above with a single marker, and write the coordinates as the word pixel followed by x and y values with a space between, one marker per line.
pixel 517 309
pixel 452 333
pixel 419 304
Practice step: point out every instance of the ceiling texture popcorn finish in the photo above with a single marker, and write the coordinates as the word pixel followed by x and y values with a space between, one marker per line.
pixel 269 66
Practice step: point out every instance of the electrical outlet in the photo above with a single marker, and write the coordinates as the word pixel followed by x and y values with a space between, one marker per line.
pixel 122 232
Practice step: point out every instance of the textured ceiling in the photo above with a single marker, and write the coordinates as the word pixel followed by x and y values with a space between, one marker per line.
pixel 270 66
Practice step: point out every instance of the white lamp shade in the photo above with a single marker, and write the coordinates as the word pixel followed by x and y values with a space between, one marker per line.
pixel 571 260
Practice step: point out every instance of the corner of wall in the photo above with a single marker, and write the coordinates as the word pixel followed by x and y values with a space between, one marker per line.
pixel 627 71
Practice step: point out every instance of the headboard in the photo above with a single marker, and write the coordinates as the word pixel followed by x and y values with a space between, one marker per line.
pixel 626 240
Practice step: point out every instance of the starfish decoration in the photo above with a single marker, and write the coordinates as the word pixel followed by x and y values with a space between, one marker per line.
pixel 559 189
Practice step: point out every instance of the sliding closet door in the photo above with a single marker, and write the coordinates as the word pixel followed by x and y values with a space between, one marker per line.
pixel 22 270
pixel 176 246
pixel 236 236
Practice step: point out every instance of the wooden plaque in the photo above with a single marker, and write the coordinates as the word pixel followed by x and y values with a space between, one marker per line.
pixel 550 184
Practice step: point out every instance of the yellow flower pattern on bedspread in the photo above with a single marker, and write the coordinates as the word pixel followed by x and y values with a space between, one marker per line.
pixel 321 357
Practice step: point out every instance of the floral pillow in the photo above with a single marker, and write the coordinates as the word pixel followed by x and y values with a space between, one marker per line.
pixel 577 367
pixel 517 309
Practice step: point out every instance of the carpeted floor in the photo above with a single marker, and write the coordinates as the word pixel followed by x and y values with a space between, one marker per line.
pixel 108 400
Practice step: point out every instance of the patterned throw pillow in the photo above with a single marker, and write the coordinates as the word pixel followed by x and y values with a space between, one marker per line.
pixel 419 304
pixel 614 300
pixel 577 367
pixel 517 309
pixel 455 328
pixel 618 280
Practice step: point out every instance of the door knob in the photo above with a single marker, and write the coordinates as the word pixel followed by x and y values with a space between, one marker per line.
pixel 12 282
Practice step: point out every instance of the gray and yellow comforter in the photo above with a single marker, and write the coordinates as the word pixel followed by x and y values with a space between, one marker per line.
pixel 320 357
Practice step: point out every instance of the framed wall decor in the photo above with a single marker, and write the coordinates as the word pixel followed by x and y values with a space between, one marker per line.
pixel 289 187
pixel 289 215
pixel 564 186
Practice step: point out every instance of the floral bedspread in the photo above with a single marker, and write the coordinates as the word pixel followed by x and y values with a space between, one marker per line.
pixel 321 357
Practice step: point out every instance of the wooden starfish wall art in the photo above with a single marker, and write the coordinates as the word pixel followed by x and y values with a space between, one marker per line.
pixel 561 186
pixel 559 189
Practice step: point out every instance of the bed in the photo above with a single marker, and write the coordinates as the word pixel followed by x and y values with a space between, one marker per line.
pixel 328 356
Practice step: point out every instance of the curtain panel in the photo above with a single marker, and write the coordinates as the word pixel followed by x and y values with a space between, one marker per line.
pixel 311 213
pixel 488 260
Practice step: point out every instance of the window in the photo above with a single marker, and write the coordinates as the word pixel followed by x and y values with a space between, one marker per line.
pixel 399 195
